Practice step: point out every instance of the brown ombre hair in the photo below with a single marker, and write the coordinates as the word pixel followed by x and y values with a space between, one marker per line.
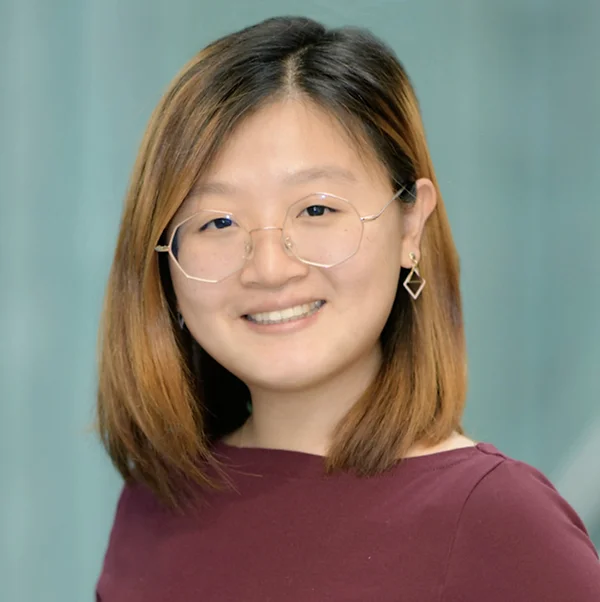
pixel 162 401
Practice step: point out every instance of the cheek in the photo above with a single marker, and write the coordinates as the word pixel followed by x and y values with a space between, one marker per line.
pixel 370 278
pixel 197 301
pixel 202 306
pixel 383 243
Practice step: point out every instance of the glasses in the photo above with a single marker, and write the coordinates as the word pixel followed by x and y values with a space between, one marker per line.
pixel 321 230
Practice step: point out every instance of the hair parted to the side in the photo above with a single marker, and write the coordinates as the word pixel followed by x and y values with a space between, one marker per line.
pixel 162 401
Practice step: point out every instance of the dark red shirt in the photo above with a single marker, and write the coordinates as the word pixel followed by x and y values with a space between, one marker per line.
pixel 468 525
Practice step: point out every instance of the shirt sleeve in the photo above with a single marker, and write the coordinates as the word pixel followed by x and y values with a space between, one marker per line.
pixel 517 539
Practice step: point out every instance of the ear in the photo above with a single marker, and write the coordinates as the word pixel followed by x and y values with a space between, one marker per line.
pixel 414 218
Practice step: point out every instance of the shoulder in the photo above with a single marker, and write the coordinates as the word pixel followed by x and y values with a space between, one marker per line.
pixel 136 508
pixel 517 538
pixel 513 494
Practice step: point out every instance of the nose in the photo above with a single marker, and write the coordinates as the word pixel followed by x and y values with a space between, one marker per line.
pixel 269 263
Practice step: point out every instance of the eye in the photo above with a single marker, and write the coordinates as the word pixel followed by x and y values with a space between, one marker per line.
pixel 317 210
pixel 219 223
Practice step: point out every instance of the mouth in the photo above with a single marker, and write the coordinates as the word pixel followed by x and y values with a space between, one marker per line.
pixel 298 312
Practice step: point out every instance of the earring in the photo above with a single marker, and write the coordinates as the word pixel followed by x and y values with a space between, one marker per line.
pixel 180 321
pixel 414 283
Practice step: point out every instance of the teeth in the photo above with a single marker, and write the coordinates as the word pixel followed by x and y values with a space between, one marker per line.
pixel 286 315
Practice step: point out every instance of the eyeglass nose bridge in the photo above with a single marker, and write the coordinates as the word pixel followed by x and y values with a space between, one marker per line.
pixel 286 241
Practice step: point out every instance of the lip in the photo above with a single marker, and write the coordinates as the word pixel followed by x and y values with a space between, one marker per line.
pixel 279 306
pixel 285 328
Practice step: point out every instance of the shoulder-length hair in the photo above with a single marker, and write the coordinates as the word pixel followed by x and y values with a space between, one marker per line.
pixel 162 401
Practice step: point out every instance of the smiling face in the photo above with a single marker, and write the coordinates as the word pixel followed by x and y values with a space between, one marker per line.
pixel 279 155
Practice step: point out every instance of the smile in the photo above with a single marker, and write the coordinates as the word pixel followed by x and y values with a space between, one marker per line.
pixel 286 315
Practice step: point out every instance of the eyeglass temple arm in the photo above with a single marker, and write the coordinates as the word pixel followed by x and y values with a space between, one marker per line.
pixel 161 248
pixel 370 218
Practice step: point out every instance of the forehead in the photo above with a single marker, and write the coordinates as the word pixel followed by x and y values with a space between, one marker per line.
pixel 288 145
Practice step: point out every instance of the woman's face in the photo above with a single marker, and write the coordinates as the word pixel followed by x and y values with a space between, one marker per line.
pixel 280 154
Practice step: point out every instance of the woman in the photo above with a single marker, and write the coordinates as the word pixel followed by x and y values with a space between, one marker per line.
pixel 282 371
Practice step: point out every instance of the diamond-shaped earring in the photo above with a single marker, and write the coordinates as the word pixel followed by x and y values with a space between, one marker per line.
pixel 414 283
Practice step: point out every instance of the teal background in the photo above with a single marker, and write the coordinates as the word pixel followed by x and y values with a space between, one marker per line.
pixel 510 93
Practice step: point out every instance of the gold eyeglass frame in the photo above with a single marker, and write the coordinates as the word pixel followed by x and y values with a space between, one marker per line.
pixel 287 243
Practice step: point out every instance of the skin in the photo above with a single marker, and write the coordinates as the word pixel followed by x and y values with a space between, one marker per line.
pixel 302 381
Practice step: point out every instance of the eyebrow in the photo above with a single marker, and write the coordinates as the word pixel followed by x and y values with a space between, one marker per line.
pixel 320 172
pixel 295 178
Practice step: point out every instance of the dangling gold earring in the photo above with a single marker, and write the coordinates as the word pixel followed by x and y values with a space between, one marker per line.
pixel 414 283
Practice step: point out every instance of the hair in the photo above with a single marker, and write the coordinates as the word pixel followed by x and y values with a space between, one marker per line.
pixel 162 400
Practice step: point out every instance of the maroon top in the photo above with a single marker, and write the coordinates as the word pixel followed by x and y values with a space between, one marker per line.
pixel 459 526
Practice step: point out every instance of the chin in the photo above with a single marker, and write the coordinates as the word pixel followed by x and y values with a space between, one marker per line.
pixel 284 375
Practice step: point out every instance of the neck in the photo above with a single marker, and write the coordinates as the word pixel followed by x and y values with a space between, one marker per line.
pixel 304 420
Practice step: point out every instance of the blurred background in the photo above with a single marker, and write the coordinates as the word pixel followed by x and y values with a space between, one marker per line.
pixel 510 92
